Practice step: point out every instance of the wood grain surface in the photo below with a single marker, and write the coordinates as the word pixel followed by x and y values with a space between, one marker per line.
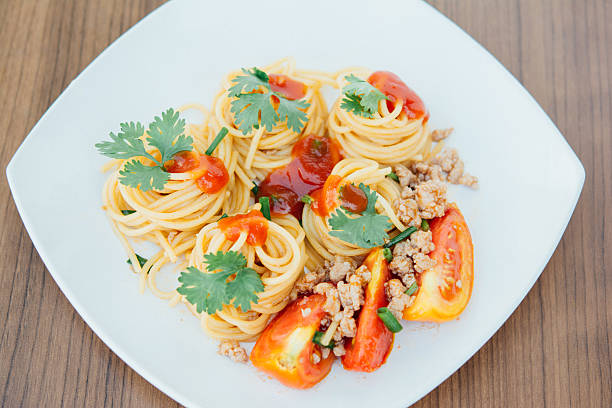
pixel 554 351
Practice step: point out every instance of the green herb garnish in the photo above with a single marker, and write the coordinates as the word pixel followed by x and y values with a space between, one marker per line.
pixel 127 212
pixel 393 176
pixel 413 288
pixel 366 231
pixel 424 225
pixel 255 188
pixel 306 199
pixel 141 260
pixel 265 207
pixel 222 133
pixel 210 291
pixel 318 336
pixel 388 254
pixel 401 236
pixel 389 320
pixel 252 109
pixel 166 134
pixel 360 97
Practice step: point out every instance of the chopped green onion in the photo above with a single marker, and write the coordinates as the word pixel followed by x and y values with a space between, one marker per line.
pixel 223 216
pixel 413 288
pixel 127 212
pixel 424 225
pixel 400 237
pixel 255 188
pixel 387 254
pixel 318 336
pixel 389 320
pixel 142 261
pixel 306 199
pixel 222 133
pixel 393 176
pixel 265 206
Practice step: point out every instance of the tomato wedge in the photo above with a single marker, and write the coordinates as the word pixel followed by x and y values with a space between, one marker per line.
pixel 284 349
pixel 445 289
pixel 370 347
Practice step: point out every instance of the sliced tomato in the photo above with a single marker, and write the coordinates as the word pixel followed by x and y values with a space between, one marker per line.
pixel 445 289
pixel 371 345
pixel 284 349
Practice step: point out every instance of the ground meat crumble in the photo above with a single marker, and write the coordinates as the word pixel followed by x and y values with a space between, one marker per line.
pixel 343 286
pixel 233 350
pixel 398 300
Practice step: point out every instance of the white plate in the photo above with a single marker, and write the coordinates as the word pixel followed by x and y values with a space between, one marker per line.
pixel 530 182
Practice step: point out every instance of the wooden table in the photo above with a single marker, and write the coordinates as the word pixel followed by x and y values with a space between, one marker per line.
pixel 554 351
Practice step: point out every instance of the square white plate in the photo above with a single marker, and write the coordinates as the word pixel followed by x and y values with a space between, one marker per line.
pixel 530 182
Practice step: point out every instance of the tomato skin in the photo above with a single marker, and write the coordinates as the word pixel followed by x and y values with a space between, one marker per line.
pixel 326 199
pixel 285 347
pixel 439 298
pixel 372 344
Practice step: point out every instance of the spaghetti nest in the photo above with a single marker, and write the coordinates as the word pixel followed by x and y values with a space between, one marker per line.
pixel 171 217
pixel 354 171
pixel 389 136
pixel 262 150
pixel 279 262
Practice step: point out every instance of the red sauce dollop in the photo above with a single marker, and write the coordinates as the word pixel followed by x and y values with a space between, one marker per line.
pixel 395 89
pixel 253 223
pixel 314 157
pixel 337 191
pixel 289 88
pixel 209 172
pixel 353 198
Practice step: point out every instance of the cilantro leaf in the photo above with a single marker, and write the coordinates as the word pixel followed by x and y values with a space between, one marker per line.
pixel 352 103
pixel 366 231
pixel 135 174
pixel 361 97
pixel 250 108
pixel 210 291
pixel 204 290
pixel 244 287
pixel 253 105
pixel 230 261
pixel 292 112
pixel 166 134
pixel 250 82
pixel 126 144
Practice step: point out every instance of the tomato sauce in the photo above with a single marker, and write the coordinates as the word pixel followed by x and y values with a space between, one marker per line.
pixel 209 172
pixel 395 89
pixel 353 198
pixel 289 88
pixel 253 223
pixel 313 159
pixel 337 191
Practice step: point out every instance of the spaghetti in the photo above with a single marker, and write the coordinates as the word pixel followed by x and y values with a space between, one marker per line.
pixel 279 261
pixel 350 171
pixel 260 151
pixel 269 198
pixel 392 135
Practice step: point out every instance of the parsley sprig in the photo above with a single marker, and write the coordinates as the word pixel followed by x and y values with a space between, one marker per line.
pixel 360 97
pixel 254 107
pixel 210 291
pixel 166 134
pixel 366 231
